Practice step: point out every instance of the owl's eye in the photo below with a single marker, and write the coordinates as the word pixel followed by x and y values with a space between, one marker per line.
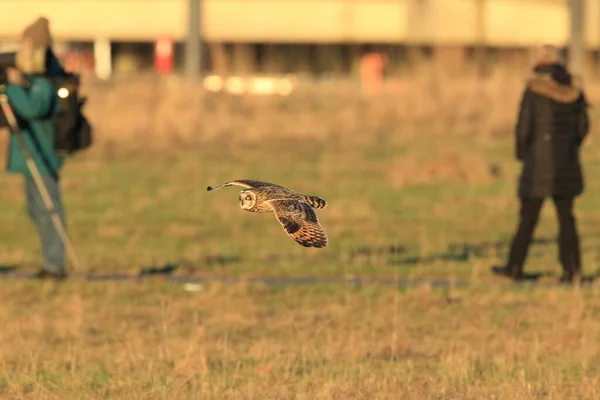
pixel 248 198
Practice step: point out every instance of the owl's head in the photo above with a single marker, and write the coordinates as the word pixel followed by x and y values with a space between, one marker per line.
pixel 247 199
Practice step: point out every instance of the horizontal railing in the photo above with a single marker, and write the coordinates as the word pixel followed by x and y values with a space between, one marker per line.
pixel 461 22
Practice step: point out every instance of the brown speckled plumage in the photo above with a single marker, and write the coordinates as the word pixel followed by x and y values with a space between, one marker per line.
pixel 293 210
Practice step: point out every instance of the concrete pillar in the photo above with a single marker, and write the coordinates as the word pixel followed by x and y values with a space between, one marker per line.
pixel 480 46
pixel 102 58
pixel 193 49
pixel 577 40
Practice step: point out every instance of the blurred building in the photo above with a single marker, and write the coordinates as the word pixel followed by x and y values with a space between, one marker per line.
pixel 315 37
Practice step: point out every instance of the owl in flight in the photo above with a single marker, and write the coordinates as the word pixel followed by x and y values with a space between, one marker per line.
pixel 293 210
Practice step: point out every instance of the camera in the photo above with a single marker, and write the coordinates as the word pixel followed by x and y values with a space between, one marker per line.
pixel 7 60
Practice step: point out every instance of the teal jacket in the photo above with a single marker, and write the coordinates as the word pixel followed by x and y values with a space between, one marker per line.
pixel 34 107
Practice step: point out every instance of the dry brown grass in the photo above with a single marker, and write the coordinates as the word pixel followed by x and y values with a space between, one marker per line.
pixel 138 198
pixel 448 166
pixel 161 112
pixel 128 341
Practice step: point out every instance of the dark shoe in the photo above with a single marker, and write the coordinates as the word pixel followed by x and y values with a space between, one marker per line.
pixel 570 277
pixel 45 274
pixel 507 272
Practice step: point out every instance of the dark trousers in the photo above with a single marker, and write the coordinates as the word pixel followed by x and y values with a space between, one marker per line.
pixel 53 249
pixel 568 238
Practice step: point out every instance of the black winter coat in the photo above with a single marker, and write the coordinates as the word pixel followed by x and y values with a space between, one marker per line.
pixel 552 124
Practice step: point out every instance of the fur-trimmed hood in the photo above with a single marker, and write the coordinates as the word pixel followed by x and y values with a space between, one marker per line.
pixel 556 83
pixel 544 85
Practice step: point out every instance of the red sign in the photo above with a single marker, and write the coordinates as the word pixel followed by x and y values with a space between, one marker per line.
pixel 163 55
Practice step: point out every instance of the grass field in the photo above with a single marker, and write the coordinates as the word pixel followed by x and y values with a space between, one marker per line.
pixel 149 341
pixel 430 197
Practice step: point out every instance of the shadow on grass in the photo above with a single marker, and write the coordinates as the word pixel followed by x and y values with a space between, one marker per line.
pixel 7 269
pixel 189 267
pixel 461 252
pixel 184 271
pixel 166 274
pixel 457 251
pixel 585 280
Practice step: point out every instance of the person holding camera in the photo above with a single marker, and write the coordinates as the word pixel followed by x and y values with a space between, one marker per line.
pixel 34 100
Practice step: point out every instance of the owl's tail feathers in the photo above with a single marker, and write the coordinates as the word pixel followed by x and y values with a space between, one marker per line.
pixel 316 201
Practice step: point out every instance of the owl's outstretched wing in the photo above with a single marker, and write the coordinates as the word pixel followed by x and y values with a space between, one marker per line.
pixel 246 183
pixel 300 222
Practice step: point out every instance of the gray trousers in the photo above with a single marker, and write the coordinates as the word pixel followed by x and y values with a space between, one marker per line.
pixel 53 249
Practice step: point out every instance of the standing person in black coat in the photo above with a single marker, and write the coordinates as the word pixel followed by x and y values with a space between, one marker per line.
pixel 551 127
